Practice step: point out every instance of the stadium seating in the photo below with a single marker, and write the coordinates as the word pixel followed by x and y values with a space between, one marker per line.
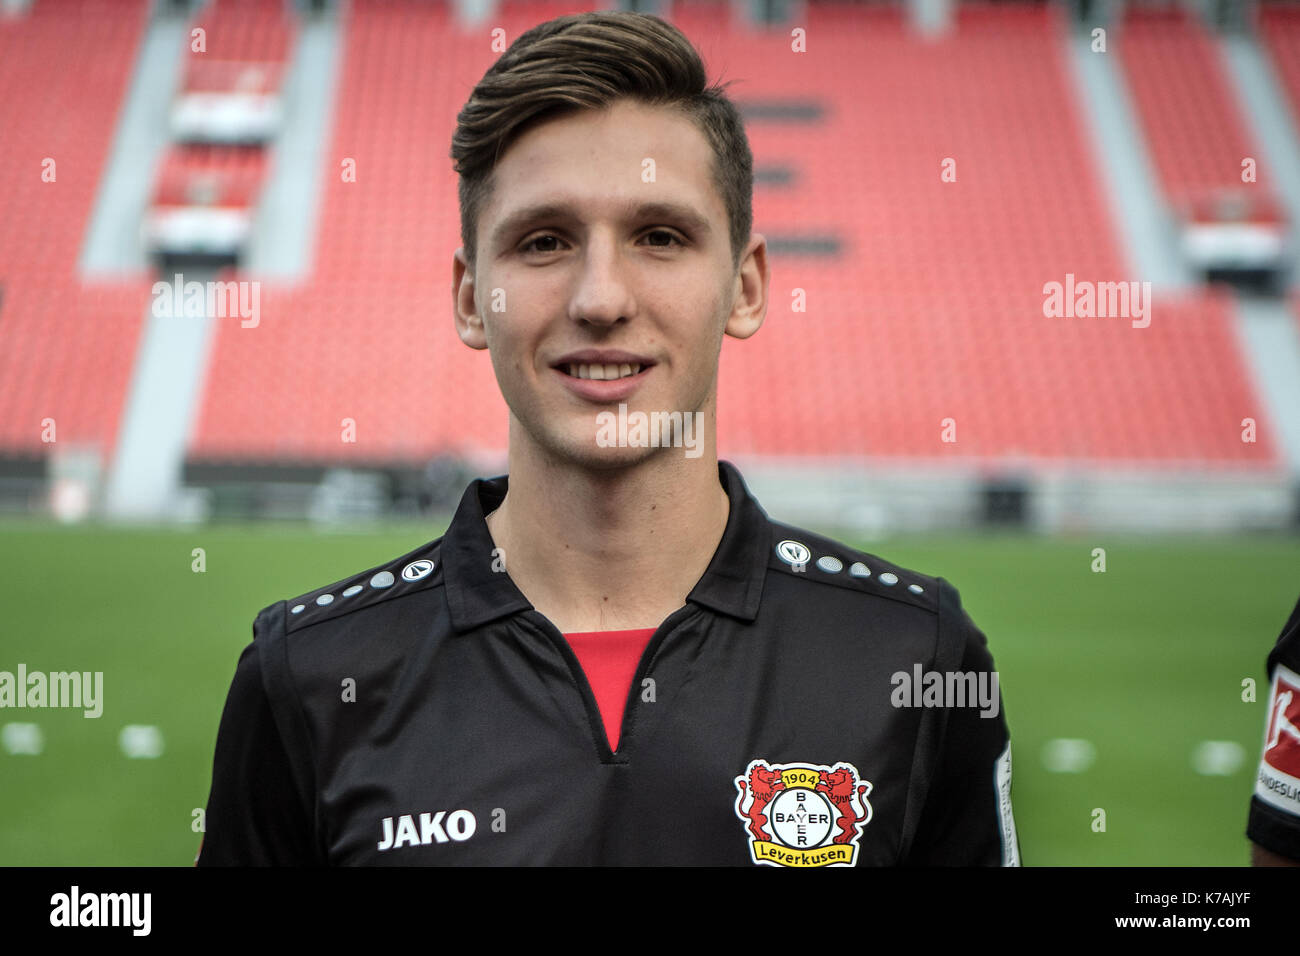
pixel 934 311
pixel 1279 30
pixel 69 345
pixel 928 307
pixel 1194 130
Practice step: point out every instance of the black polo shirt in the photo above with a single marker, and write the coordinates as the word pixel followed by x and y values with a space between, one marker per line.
pixel 809 705
pixel 1274 818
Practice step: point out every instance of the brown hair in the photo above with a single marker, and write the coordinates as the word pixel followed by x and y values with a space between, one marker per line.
pixel 587 61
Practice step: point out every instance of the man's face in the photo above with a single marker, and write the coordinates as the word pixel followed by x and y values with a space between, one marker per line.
pixel 619 291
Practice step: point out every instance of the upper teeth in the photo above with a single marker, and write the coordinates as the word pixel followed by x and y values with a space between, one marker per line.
pixel 603 371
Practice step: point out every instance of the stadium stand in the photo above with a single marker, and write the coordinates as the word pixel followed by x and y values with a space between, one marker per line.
pixel 376 306
pixel 1279 28
pixel 925 298
pixel 1194 129
pixel 233 72
pixel 205 198
pixel 939 286
pixel 68 344
pixel 239 31
pixel 1198 140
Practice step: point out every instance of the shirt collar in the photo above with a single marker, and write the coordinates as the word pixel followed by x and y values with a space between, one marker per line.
pixel 476 594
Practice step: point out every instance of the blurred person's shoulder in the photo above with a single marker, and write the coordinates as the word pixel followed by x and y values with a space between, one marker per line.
pixel 1274 819
pixel 1286 650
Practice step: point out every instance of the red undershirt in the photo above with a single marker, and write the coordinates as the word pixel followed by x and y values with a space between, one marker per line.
pixel 609 660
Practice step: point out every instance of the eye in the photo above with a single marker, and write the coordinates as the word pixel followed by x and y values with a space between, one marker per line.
pixel 531 243
pixel 664 232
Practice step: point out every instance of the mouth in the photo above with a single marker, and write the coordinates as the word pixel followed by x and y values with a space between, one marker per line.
pixel 601 372
pixel 603 376
pixel 602 365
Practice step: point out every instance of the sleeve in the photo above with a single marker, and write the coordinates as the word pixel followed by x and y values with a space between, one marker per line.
pixel 1274 818
pixel 260 811
pixel 966 819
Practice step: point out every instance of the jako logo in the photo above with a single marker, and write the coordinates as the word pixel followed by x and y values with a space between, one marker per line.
pixel 102 909
pixel 459 826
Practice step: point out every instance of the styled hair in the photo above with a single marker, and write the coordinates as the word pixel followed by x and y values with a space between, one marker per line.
pixel 588 61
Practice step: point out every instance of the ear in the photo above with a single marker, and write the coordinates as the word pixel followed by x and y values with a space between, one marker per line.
pixel 750 306
pixel 469 324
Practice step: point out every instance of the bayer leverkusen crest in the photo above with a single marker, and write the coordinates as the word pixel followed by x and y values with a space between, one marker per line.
pixel 803 815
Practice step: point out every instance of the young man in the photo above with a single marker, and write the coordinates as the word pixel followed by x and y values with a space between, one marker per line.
pixel 613 656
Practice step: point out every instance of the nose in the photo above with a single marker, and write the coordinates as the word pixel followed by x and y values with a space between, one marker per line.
pixel 602 294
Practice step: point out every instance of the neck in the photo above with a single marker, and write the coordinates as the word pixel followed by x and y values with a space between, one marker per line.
pixel 609 549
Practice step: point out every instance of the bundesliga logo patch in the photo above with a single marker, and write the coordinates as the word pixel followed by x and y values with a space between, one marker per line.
pixel 803 815
pixel 1278 781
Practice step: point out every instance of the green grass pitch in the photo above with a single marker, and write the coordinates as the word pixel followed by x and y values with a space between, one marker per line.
pixel 1145 661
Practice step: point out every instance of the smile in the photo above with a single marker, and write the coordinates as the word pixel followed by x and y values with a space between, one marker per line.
pixel 601 372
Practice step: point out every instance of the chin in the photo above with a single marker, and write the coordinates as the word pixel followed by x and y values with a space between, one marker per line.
pixel 611 459
pixel 582 451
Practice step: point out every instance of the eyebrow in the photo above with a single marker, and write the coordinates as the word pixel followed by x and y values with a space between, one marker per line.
pixel 528 216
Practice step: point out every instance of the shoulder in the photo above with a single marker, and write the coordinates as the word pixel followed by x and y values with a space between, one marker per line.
pixel 820 561
pixel 1286 651
pixel 869 596
pixel 371 590
pixel 1274 820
